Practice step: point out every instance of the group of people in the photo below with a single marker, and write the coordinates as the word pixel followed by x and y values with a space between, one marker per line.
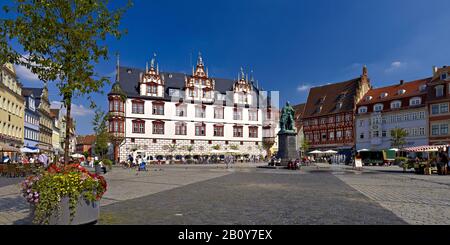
pixel 42 159
pixel 442 163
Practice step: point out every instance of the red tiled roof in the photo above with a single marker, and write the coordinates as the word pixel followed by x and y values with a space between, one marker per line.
pixel 411 89
pixel 86 140
pixel 329 96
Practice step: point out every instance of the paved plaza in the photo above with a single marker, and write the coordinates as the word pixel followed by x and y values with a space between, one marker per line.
pixel 245 194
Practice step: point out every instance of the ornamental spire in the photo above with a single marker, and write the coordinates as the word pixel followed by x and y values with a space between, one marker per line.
pixel 242 74
pixel 118 67
pixel 200 59
pixel 152 63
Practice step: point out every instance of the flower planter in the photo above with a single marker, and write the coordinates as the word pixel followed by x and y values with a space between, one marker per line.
pixel 98 169
pixel 85 213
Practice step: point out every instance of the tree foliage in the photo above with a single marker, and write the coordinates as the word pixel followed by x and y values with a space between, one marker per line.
pixel 398 136
pixel 100 127
pixel 305 145
pixel 61 40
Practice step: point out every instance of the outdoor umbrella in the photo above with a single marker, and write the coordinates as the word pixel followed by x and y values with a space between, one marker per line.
pixel 363 150
pixel 331 152
pixel 394 149
pixel 316 152
pixel 77 155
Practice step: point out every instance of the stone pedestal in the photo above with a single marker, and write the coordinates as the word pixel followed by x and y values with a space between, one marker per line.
pixel 287 147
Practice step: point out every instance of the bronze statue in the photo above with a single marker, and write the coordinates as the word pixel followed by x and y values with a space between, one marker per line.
pixel 287 121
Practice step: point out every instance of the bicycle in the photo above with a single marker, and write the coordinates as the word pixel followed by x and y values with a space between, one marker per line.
pixel 125 165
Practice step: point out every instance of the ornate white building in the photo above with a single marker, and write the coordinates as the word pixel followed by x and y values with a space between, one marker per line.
pixel 163 114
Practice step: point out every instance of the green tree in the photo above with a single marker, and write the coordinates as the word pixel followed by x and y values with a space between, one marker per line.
pixel 100 127
pixel 61 41
pixel 267 145
pixel 86 155
pixel 398 136
pixel 305 146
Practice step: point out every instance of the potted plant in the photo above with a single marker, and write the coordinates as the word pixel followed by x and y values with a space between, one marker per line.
pixel 108 163
pixel 64 195
pixel 97 167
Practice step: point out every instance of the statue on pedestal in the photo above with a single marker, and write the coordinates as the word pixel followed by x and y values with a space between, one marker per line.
pixel 287 121
pixel 287 137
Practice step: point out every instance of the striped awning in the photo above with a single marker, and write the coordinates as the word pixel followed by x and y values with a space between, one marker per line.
pixel 426 148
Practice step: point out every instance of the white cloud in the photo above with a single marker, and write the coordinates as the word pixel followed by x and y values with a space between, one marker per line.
pixel 395 66
pixel 303 88
pixel 77 110
pixel 25 74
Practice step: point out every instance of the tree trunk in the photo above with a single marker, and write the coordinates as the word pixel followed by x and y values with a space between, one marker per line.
pixel 68 104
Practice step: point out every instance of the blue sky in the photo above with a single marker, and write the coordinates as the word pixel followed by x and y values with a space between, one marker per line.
pixel 290 45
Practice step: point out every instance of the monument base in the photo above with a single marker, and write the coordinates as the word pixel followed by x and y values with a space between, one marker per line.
pixel 287 147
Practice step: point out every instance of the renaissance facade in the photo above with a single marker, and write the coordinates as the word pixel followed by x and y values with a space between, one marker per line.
pixel 162 114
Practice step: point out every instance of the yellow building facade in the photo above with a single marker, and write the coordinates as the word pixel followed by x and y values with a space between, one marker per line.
pixel 12 111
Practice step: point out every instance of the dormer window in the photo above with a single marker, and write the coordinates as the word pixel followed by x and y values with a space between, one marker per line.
pixel 383 95
pixel 378 107
pixel 401 91
pixel 321 100
pixel 362 109
pixel 152 89
pixel 415 101
pixel 174 92
pixel 368 98
pixel 220 97
pixel 339 105
pixel 396 104
pixel 423 88
pixel 444 76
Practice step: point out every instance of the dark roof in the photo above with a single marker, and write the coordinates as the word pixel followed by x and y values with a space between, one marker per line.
pixel 37 92
pixel 129 80
pixel 26 93
pixel 328 97
pixel 411 89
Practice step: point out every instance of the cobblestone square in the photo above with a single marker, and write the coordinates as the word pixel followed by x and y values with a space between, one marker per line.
pixel 244 194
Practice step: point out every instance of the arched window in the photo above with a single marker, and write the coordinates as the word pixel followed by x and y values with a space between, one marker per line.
pixel 362 109
pixel 378 107
pixel 396 104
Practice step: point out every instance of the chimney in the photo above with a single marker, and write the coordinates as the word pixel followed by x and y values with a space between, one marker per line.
pixel 401 82
pixel 434 70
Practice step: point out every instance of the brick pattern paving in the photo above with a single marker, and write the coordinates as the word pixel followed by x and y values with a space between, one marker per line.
pixel 258 197
pixel 13 207
pixel 417 199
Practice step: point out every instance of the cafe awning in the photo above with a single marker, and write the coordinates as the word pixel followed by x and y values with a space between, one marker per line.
pixel 29 149
pixel 7 148
pixel 425 148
